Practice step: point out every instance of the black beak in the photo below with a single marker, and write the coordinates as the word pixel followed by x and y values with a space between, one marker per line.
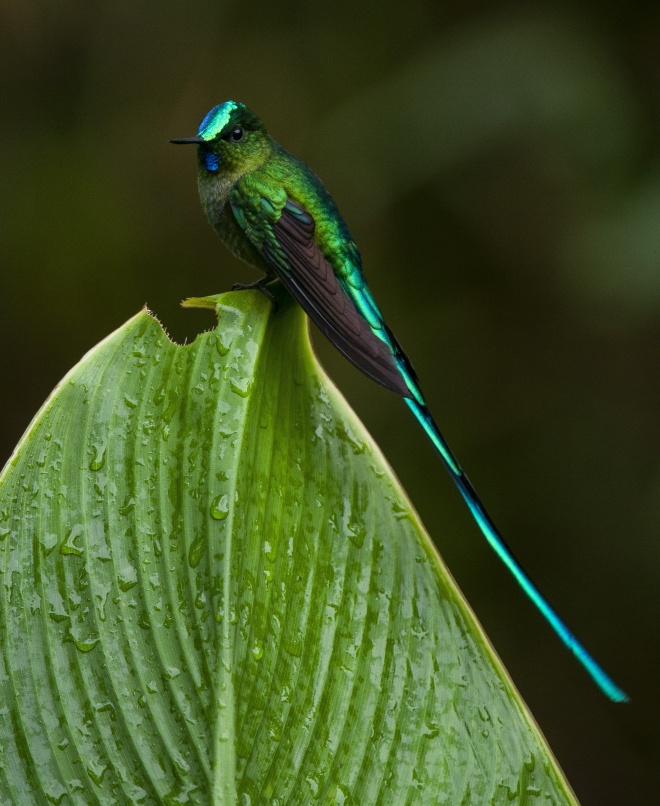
pixel 186 141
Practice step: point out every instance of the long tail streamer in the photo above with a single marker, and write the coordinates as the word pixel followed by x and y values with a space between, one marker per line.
pixel 600 677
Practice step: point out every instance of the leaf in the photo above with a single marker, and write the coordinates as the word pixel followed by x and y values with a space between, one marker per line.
pixel 214 590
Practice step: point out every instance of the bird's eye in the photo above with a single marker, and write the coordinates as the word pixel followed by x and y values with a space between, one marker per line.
pixel 236 135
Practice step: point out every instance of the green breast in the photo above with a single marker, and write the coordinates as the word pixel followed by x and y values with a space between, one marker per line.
pixel 214 194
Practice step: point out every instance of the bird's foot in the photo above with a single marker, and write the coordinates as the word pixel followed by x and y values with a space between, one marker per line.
pixel 260 284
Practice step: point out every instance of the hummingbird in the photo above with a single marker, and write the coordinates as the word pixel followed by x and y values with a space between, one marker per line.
pixel 273 212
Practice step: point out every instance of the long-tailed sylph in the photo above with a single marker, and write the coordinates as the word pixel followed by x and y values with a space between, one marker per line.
pixel 272 211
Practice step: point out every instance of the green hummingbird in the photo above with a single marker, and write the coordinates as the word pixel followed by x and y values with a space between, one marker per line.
pixel 273 212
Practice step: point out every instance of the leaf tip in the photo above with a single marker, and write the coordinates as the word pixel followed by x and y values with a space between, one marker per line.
pixel 211 302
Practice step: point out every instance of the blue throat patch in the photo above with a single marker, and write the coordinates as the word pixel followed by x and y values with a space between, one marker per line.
pixel 211 161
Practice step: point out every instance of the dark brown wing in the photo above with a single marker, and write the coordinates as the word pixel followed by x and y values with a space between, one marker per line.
pixel 311 280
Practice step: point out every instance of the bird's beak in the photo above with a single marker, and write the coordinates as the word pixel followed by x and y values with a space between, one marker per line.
pixel 186 141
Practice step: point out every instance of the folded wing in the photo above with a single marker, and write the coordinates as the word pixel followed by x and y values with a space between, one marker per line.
pixel 289 247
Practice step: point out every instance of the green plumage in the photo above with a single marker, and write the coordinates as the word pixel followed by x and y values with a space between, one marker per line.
pixel 244 206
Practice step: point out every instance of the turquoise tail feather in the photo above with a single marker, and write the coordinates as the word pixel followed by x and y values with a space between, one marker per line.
pixel 602 680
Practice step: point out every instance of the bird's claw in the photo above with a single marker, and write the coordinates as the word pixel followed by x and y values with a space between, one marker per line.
pixel 261 285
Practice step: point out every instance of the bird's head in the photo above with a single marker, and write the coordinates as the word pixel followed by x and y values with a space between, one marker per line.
pixel 230 140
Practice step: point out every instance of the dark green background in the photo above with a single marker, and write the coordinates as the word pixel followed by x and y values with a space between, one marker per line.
pixel 499 166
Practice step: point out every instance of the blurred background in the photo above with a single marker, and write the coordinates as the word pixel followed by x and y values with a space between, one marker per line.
pixel 499 166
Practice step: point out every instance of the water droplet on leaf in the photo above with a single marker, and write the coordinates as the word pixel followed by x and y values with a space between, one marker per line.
pixel 220 507
pixel 242 386
pixel 127 578
pixel 98 459
pixel 68 545
pixel 85 645
pixel 197 548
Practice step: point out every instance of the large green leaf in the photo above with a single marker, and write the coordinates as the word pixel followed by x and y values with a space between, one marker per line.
pixel 213 590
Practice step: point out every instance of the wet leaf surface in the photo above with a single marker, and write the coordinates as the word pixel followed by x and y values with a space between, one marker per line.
pixel 214 590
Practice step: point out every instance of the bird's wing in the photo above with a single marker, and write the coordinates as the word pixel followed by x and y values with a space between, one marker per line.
pixel 284 235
